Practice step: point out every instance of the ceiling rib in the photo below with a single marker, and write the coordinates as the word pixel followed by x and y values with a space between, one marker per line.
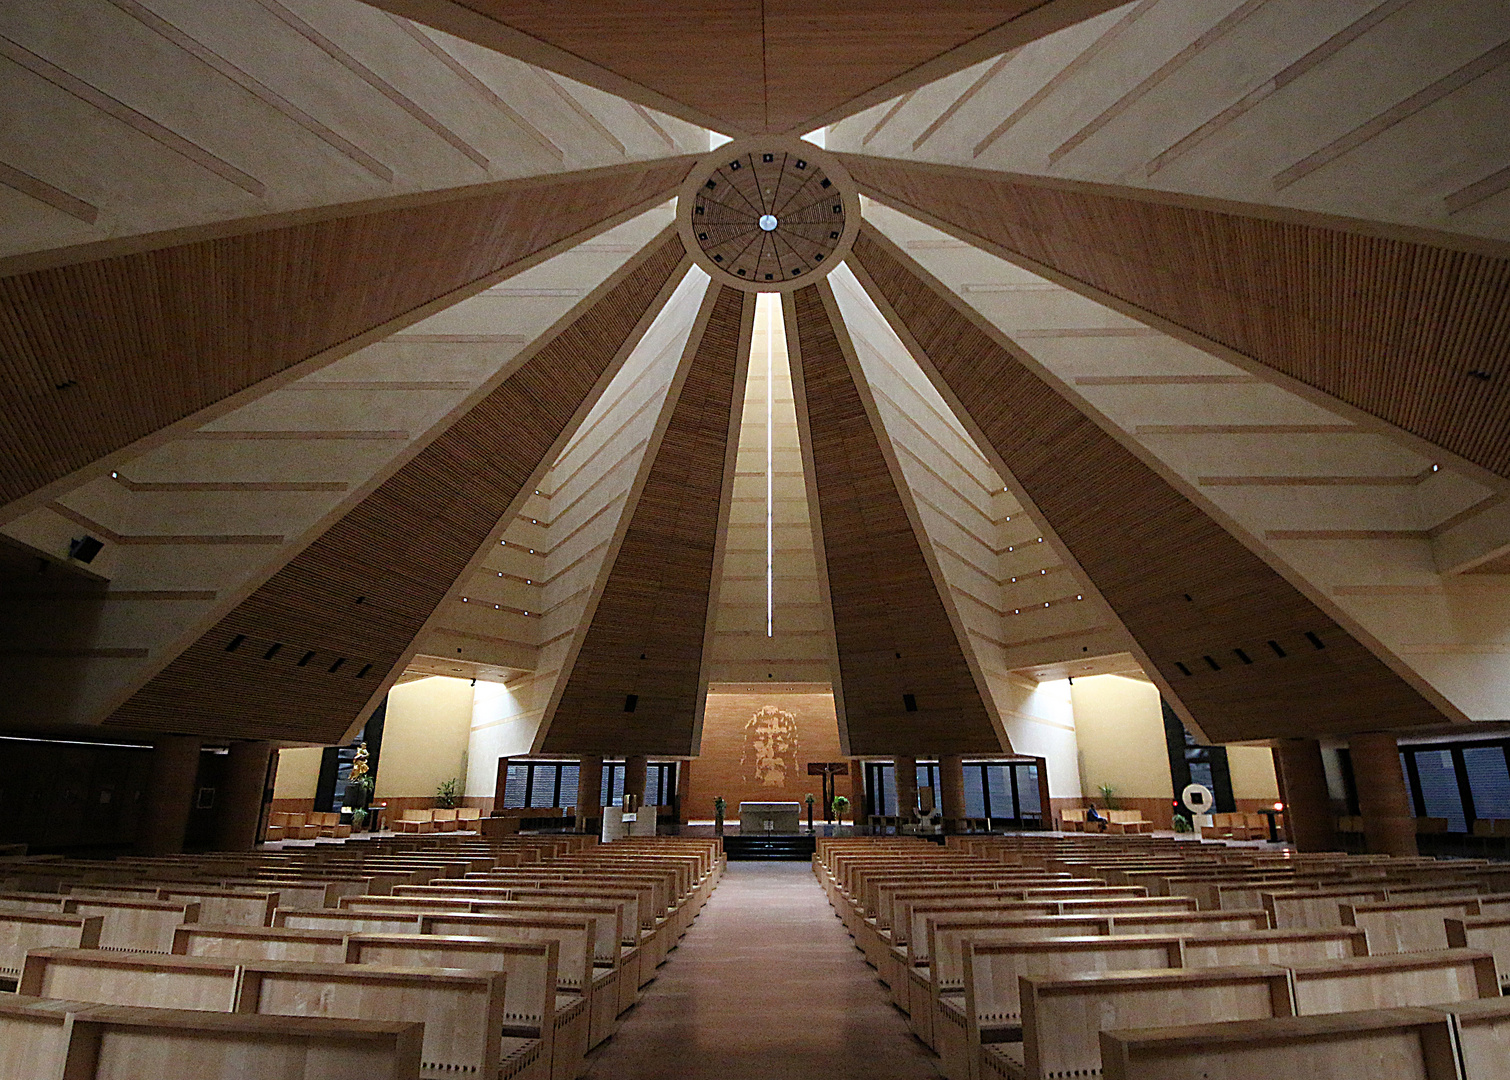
pixel 1410 333
pixel 651 625
pixel 348 609
pixel 97 356
pixel 746 67
pixel 1241 650
pixel 905 685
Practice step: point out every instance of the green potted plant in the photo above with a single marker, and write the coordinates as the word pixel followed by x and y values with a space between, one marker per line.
pixel 358 819
pixel 718 814
pixel 810 800
pixel 447 792
pixel 1109 796
pixel 841 804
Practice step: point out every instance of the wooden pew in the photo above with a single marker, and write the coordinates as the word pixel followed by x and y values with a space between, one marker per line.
pixel 1062 1018
pixel 1281 948
pixel 988 1009
pixel 1392 981
pixel 589 967
pixel 1483 1030
pixel 20 932
pixel 1395 926
pixel 112 978
pixel 138 925
pixel 1401 1044
pixel 227 907
pixel 1489 933
pixel 1190 922
pixel 260 943
pixel 346 921
pixel 533 999
pixel 462 1011
pixel 78 1041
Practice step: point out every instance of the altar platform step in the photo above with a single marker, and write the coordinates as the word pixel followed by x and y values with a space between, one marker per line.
pixel 785 847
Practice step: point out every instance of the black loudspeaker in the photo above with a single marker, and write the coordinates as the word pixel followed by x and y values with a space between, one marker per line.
pixel 85 548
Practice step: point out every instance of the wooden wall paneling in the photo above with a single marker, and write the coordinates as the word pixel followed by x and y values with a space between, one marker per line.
pixel 1210 618
pixel 96 356
pixel 349 607
pixel 1410 332
pixel 749 66
pixel 906 683
pixel 652 623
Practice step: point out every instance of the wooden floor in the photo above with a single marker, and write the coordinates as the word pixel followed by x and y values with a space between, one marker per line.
pixel 767 984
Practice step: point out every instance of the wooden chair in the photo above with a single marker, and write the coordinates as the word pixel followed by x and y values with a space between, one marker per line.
pixel 80 1041
pixel 444 819
pixel 1062 1019
pixel 1071 820
pixel 467 818
pixel 414 821
pixel 1402 1044
pixel 1401 979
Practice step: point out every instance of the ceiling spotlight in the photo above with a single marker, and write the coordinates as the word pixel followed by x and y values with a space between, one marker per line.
pixel 116 475
pixel 1079 597
pixel 1434 468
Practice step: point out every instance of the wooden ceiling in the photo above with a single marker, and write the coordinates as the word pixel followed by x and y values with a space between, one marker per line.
pixel 1241 649
pixel 1414 334
pixel 648 630
pixel 97 355
pixel 906 686
pixel 746 67
pixel 319 642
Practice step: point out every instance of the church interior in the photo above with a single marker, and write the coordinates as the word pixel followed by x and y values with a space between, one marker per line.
pixel 721 538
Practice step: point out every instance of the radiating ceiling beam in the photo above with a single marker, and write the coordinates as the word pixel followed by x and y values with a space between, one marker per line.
pixel 744 67
pixel 97 357
pixel 347 611
pixel 905 685
pixel 638 681
pixel 1401 327
pixel 1238 648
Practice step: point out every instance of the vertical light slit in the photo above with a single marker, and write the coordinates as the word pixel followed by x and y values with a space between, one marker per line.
pixel 770 501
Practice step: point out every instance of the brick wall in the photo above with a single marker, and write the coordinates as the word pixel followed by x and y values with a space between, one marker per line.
pixel 756 748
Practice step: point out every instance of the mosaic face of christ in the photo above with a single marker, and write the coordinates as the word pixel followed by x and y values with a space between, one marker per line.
pixel 770 746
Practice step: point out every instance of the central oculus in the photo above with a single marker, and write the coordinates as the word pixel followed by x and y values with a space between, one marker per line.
pixel 769 213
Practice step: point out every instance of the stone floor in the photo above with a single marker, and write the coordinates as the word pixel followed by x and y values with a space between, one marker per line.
pixel 767 985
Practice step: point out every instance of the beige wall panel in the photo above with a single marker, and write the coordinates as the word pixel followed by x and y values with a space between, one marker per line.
pixel 424 737
pixel 1119 727
pixel 1252 769
pixel 298 773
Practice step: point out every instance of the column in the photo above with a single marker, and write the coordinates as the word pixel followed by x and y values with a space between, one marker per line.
pixel 239 807
pixel 1383 802
pixel 857 794
pixel 589 793
pixel 952 792
pixel 907 787
pixel 1303 787
pixel 499 783
pixel 635 768
pixel 170 794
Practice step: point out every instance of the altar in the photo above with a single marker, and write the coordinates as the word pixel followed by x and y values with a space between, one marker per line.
pixel 769 818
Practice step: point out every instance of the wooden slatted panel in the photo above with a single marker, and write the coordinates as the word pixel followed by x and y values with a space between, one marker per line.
pixel 647 632
pixel 749 66
pixel 891 628
pixel 363 591
pixel 1391 327
pixel 96 355
pixel 1184 587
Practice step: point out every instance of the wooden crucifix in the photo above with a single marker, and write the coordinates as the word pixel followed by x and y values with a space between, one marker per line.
pixel 828 770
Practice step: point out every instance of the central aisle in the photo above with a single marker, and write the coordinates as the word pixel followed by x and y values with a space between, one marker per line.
pixel 767 985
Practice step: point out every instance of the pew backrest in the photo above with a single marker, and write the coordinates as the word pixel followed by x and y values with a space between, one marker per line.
pixel 1189 922
pixel 1062 1018
pixel 1483 1030
pixel 144 979
pixel 228 907
pixel 1280 948
pixel 1402 1044
pixel 346 921
pixel 1394 981
pixel 946 937
pixel 531 966
pixel 20 932
pixel 1488 933
pixel 260 943
pixel 993 969
pixel 139 925
pixel 576 938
